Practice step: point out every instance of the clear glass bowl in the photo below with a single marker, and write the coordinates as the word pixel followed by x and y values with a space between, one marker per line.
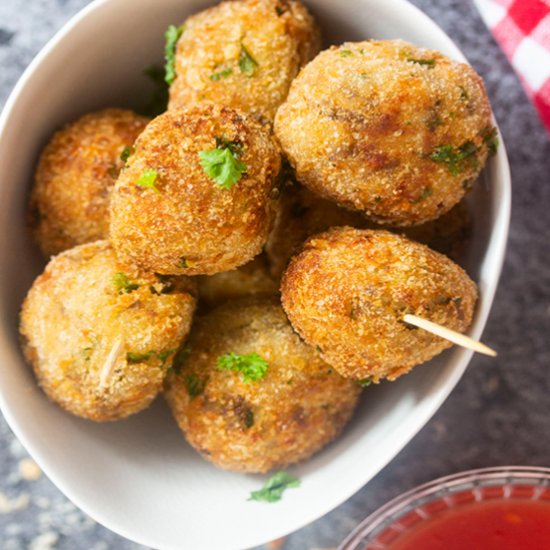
pixel 406 512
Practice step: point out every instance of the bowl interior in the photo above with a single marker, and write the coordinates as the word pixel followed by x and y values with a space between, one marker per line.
pixel 138 477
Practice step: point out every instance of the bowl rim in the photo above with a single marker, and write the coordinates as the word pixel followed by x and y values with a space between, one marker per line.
pixel 496 243
pixel 431 490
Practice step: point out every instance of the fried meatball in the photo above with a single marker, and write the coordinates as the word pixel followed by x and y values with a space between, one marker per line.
pixel 170 211
pixel 348 290
pixel 386 128
pixel 301 214
pixel 241 420
pixel 243 54
pixel 251 279
pixel 75 175
pixel 101 337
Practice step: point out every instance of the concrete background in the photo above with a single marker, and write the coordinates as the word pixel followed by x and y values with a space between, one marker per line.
pixel 499 413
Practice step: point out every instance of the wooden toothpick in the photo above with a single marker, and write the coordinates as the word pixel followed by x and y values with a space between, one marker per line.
pixel 448 334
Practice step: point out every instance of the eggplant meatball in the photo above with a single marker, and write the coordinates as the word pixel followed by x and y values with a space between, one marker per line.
pixel 251 279
pixel 395 131
pixel 250 396
pixel 301 214
pixel 196 197
pixel 75 175
pixel 348 290
pixel 101 337
pixel 243 54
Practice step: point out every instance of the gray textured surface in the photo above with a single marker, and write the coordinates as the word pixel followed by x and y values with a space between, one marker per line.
pixel 500 411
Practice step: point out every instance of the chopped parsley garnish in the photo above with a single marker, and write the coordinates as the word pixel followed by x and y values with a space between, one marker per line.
pixel 273 488
pixel 224 73
pixel 123 284
pixel 464 94
pixel 430 63
pixel 455 157
pixel 159 97
pixel 148 179
pixel 172 35
pixel 126 152
pixel 426 192
pixel 183 262
pixel 345 53
pixel 223 165
pixel 252 366
pixel 490 138
pixel 249 418
pixel 164 355
pixel 365 382
pixel 195 386
pixel 132 357
pixel 181 356
pixel 247 63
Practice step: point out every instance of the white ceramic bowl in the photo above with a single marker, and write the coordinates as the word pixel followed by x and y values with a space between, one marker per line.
pixel 139 477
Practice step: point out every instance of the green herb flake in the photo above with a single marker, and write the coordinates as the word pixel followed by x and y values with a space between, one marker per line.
pixel 172 35
pixel 222 166
pixel 181 356
pixel 148 179
pixel 183 262
pixel 273 488
pixel 346 53
pixel 126 152
pixel 113 171
pixel 224 73
pixel 490 139
pixel 430 63
pixel 249 419
pixel 164 355
pixel 365 382
pixel 252 366
pixel 464 94
pixel 247 63
pixel 455 157
pixel 195 386
pixel 123 284
pixel 132 357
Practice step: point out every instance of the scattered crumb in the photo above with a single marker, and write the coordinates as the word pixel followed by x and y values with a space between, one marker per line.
pixel 8 505
pixel 45 541
pixel 29 470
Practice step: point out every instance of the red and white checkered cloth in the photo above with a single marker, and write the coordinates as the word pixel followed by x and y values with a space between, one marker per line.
pixel 522 28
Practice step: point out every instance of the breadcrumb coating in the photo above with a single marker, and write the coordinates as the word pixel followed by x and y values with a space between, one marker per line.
pixel 298 407
pixel 188 224
pixel 100 336
pixel 243 54
pixel 347 291
pixel 75 175
pixel 384 127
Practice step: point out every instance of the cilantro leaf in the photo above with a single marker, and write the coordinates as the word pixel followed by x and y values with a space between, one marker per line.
pixel 252 366
pixel 222 166
pixel 247 63
pixel 365 382
pixel 147 179
pixel 273 488
pixel 123 284
pixel 195 386
pixel 490 139
pixel 172 35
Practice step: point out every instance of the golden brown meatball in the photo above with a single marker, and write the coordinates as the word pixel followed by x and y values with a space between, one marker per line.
pixel 100 337
pixel 348 290
pixel 243 54
pixel 250 396
pixel 251 279
pixel 384 127
pixel 196 196
pixel 301 214
pixel 75 175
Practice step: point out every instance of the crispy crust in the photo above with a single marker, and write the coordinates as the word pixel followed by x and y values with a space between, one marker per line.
pixel 297 408
pixel 280 35
pixel 191 225
pixel 75 175
pixel 348 289
pixel 364 121
pixel 77 330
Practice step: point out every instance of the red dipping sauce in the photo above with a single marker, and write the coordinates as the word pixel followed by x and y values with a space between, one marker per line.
pixel 490 509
